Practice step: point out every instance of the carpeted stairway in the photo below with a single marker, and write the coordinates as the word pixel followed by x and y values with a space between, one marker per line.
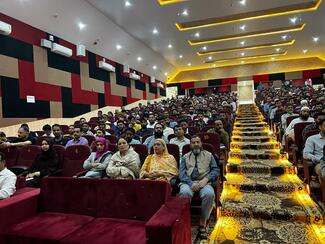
pixel 263 200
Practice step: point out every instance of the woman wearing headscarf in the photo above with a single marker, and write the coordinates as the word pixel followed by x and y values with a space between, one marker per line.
pixel 125 163
pixel 97 161
pixel 161 165
pixel 45 163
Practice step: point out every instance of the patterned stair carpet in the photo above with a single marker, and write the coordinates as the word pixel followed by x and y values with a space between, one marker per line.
pixel 263 199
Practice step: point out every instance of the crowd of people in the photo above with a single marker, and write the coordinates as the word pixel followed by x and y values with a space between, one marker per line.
pixel 303 105
pixel 155 125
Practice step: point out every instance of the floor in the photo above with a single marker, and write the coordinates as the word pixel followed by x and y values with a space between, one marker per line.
pixel 263 199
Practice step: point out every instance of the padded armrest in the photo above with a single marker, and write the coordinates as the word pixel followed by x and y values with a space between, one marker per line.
pixel 171 224
pixel 58 172
pixel 18 207
pixel 82 173
pixel 17 169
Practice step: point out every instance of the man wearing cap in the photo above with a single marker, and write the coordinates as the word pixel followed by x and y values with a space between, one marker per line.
pixel 303 118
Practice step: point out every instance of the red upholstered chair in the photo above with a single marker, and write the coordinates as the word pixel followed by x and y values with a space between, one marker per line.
pixel 74 157
pixel 213 139
pixel 290 118
pixel 90 139
pixel 142 150
pixel 112 147
pixel 145 137
pixel 11 155
pixel 93 119
pixel 111 131
pixel 26 157
pixel 72 210
pixel 171 136
pixel 64 128
pixel 173 149
pixel 113 139
pixel 299 143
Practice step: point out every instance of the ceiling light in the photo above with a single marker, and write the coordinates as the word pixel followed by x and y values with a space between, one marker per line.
pixel 189 64
pixel 81 26
pixel 242 54
pixel 118 47
pixel 139 59
pixel 185 12
pixel 166 74
pixel 293 20
pixel 180 56
pixel 284 37
pixel 278 49
pixel 204 48
pixel 155 31
pixel 243 27
pixel 210 57
pixel 127 4
pixel 242 2
pixel 170 45
pixel 305 51
pixel 197 34
pixel 316 39
pixel 154 67
pixel 242 43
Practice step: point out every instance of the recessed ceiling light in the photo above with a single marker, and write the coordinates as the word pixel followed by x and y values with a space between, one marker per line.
pixel 284 37
pixel 305 51
pixel 127 4
pixel 197 34
pixel 155 31
pixel 139 59
pixel 316 39
pixel 118 47
pixel 242 54
pixel 278 49
pixel 185 12
pixel 204 48
pixel 243 27
pixel 180 56
pixel 189 64
pixel 293 20
pixel 81 26
pixel 154 67
pixel 242 2
pixel 210 57
pixel 170 45
pixel 242 43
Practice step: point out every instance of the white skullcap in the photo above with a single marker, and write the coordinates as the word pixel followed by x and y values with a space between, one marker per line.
pixel 303 101
pixel 304 108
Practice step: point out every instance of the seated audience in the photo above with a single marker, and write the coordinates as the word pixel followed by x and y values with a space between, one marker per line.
pixel 144 131
pixel 98 161
pixel 125 163
pixel 223 135
pixel 70 131
pixel 58 139
pixel 24 139
pixel 161 165
pixel 120 128
pixel 151 121
pixel 77 138
pixel 3 137
pixel 200 122
pixel 129 136
pixel 314 126
pixel 47 129
pixel 198 169
pixel 180 140
pixel 86 130
pixel 313 151
pixel 32 133
pixel 166 130
pixel 303 118
pixel 7 179
pixel 289 113
pixel 158 134
pixel 45 164
pixel 82 121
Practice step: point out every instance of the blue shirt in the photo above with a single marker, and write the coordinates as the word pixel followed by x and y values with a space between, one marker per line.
pixel 81 141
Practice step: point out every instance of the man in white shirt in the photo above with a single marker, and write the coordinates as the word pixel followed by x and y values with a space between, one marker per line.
pixel 303 118
pixel 151 121
pixel 180 140
pixel 289 112
pixel 167 130
pixel 7 179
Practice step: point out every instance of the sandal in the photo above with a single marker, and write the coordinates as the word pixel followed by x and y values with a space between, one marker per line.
pixel 203 234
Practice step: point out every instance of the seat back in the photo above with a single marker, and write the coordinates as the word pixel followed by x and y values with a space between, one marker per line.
pixel 41 138
pixel 11 155
pixel 90 139
pixel 121 199
pixel 64 128
pixel 59 149
pixel 173 149
pixel 311 133
pixel 213 139
pixel 298 128
pixel 142 150
pixel 112 139
pixel 290 118
pixel 27 155
pixel 74 157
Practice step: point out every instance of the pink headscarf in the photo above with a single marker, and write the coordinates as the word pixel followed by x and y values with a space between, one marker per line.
pixel 103 141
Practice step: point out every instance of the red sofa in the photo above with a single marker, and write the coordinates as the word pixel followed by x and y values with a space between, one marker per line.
pixel 72 210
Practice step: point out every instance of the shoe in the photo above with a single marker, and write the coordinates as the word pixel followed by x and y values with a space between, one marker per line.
pixel 203 234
